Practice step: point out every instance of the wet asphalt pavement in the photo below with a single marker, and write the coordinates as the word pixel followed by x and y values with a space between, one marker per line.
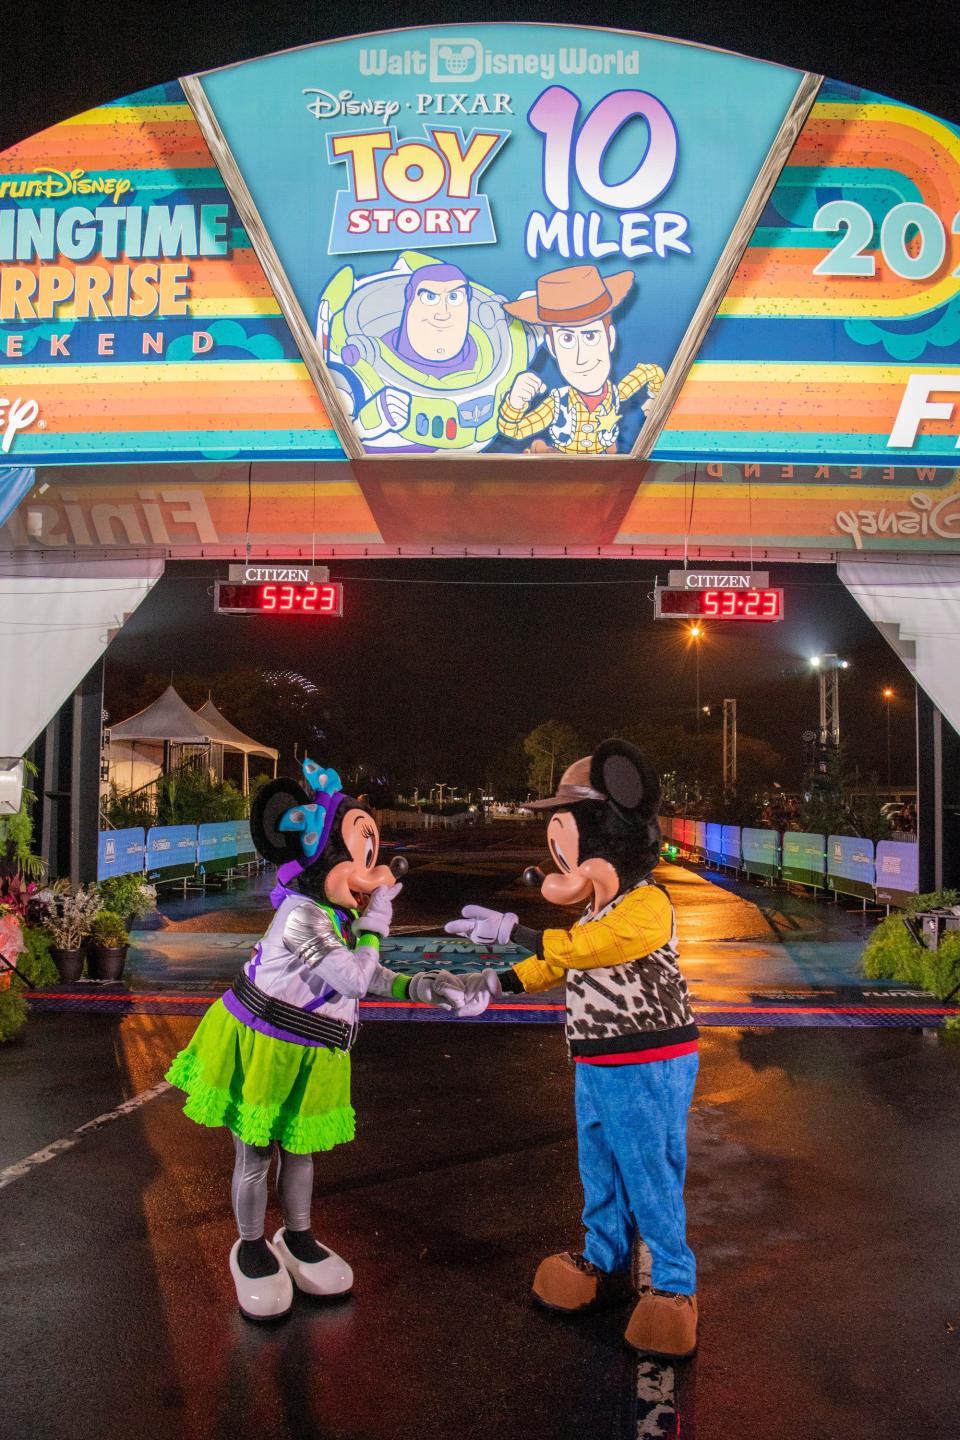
pixel 823 1196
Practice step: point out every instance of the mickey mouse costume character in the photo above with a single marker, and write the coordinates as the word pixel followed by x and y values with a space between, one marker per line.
pixel 271 1059
pixel 630 1031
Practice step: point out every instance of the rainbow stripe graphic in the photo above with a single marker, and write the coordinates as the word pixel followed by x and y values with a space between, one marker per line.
pixel 799 366
pixel 149 392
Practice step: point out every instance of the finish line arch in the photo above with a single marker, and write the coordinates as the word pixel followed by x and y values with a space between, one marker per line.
pixel 486 289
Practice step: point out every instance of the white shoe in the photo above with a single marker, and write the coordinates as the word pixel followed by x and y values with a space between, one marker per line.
pixel 331 1276
pixel 268 1297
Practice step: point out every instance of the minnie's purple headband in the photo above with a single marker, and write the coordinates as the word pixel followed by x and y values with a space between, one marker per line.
pixel 312 822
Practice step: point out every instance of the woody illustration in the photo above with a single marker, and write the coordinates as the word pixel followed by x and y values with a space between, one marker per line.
pixel 581 417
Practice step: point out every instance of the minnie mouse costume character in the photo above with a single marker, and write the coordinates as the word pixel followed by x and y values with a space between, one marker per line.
pixel 271 1059
pixel 630 1031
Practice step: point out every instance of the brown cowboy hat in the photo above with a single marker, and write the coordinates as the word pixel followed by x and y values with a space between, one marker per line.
pixel 572 296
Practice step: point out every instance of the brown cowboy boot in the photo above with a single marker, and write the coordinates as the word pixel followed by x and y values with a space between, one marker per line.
pixel 663 1325
pixel 572 1284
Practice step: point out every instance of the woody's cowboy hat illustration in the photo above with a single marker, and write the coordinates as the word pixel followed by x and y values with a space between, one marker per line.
pixel 572 296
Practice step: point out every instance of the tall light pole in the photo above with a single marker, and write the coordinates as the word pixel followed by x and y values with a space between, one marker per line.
pixel 888 695
pixel 729 747
pixel 695 632
pixel 828 667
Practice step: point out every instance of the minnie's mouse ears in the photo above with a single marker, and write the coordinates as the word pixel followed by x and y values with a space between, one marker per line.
pixel 273 801
pixel 622 772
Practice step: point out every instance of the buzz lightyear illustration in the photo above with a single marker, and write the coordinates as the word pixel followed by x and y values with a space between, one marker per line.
pixel 422 356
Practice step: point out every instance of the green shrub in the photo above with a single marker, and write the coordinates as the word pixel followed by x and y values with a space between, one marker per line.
pixel 13 1011
pixel 36 961
pixel 893 954
pixel 108 929
pixel 125 895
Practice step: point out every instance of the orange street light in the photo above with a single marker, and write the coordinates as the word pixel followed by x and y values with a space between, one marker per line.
pixel 888 696
pixel 695 631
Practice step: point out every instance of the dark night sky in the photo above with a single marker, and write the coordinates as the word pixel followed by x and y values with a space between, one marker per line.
pixel 442 675
pixel 447 673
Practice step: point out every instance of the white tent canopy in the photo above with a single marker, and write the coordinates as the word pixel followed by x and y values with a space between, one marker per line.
pixel 233 739
pixel 147 744
pixel 57 617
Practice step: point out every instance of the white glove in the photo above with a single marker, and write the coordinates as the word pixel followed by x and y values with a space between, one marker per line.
pixel 378 916
pixel 394 407
pixel 478 991
pixel 483 926
pixel 437 987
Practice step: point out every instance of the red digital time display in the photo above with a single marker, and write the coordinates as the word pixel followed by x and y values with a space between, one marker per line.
pixel 280 598
pixel 721 604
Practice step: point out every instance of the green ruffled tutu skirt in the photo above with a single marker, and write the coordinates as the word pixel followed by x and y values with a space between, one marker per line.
pixel 265 1089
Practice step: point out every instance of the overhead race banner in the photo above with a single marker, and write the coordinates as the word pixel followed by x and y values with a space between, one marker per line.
pixel 839 337
pixel 135 319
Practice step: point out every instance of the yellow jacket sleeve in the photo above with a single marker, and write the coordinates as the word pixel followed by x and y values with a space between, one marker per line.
pixel 640 375
pixel 642 922
pixel 520 425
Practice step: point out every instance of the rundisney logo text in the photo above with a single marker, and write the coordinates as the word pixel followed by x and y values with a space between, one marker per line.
pixel 56 184
pixel 923 518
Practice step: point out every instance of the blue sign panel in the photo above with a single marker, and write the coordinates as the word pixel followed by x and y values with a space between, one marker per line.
pixel 761 852
pixel 898 871
pixel 730 841
pixel 171 846
pixel 120 852
pixel 246 850
pixel 804 858
pixel 850 865
pixel 217 844
pixel 715 843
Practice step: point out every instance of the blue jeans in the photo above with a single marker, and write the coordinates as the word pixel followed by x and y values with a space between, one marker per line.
pixel 632 1139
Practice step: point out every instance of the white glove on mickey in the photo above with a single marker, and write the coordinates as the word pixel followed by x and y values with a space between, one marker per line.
pixel 378 915
pixel 438 987
pixel 483 926
pixel 478 991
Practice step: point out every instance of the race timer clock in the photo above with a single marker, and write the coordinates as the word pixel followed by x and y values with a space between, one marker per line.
pixel 765 604
pixel 280 598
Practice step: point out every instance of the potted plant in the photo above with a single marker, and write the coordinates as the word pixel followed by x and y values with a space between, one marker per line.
pixel 107 951
pixel 128 896
pixel 69 916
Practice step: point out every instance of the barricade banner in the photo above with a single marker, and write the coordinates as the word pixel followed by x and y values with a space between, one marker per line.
pixel 171 851
pixel 898 877
pixel 701 841
pixel 217 845
pixel 761 852
pixel 715 843
pixel 730 845
pixel 120 852
pixel 851 868
pixel 666 827
pixel 246 850
pixel 804 858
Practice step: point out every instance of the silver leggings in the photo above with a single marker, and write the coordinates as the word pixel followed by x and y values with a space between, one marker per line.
pixel 248 1190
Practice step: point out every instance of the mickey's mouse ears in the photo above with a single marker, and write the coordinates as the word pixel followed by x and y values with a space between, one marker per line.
pixel 626 776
